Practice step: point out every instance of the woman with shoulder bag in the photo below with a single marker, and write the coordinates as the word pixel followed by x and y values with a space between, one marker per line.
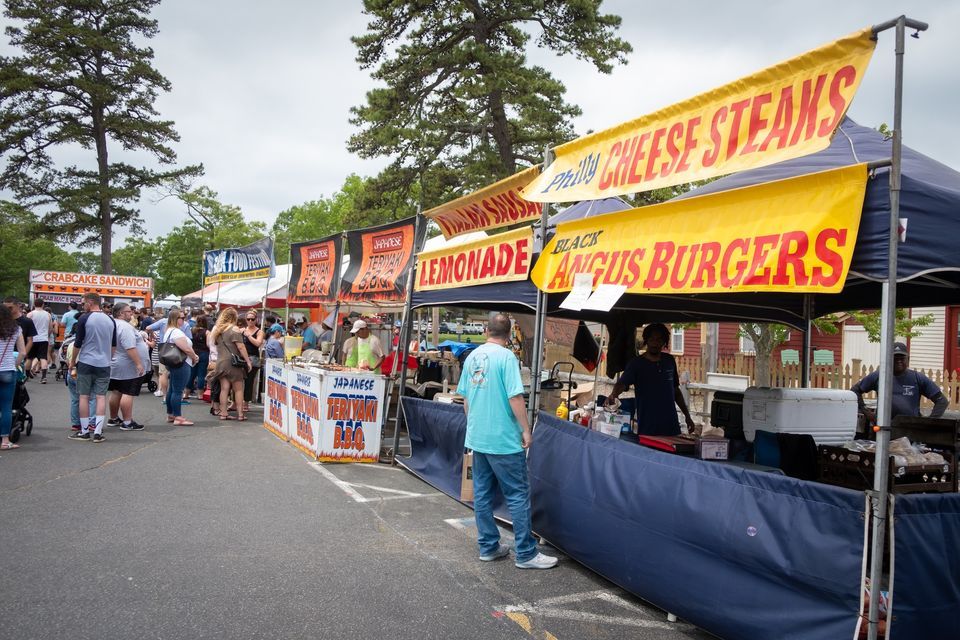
pixel 252 340
pixel 233 363
pixel 12 353
pixel 175 338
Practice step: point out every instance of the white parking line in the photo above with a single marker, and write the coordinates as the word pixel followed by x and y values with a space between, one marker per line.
pixel 348 488
pixel 552 608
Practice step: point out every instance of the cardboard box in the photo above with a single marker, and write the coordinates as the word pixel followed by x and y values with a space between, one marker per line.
pixel 712 448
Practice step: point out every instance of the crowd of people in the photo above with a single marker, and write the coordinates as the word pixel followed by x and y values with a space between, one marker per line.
pixel 105 353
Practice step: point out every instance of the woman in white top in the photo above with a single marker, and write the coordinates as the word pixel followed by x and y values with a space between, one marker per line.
pixel 11 357
pixel 178 376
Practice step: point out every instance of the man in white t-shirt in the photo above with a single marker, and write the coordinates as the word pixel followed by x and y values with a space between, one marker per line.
pixel 41 343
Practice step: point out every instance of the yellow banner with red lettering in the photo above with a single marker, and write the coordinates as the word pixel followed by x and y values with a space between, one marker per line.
pixel 793 235
pixel 782 112
pixel 505 257
pixel 495 206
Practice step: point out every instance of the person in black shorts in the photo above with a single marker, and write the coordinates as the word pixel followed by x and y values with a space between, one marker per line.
pixel 126 370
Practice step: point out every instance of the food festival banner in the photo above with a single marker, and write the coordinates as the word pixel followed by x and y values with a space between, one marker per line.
pixel 792 235
pixel 277 406
pixel 304 418
pixel 315 276
pixel 352 417
pixel 46 283
pixel 380 262
pixel 505 257
pixel 255 260
pixel 495 206
pixel 782 112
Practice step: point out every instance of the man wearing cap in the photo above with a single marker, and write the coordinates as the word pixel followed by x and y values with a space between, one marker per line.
pixel 362 350
pixel 274 348
pixel 908 386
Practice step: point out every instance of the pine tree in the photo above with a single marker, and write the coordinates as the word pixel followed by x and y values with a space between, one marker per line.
pixel 460 100
pixel 83 83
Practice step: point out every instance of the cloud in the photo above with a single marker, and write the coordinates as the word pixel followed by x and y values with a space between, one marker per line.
pixel 262 91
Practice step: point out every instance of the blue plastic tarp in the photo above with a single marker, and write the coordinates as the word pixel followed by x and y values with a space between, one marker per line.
pixel 926 591
pixel 740 553
pixel 437 433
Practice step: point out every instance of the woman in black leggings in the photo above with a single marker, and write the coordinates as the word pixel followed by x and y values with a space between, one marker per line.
pixel 252 340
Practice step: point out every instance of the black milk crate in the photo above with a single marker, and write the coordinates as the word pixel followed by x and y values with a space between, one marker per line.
pixel 854 470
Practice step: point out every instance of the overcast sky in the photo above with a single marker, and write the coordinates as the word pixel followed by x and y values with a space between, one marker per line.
pixel 262 91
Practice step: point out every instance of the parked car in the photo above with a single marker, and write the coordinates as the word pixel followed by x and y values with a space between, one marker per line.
pixel 473 328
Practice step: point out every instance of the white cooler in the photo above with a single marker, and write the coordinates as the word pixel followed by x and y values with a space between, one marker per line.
pixel 829 415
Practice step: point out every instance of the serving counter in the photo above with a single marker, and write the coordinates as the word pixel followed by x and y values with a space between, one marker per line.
pixel 738 552
pixel 331 413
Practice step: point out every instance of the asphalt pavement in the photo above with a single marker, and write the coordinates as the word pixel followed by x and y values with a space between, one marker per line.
pixel 221 530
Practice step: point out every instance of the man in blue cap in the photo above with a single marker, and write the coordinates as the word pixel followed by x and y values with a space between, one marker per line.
pixel 908 386
pixel 274 348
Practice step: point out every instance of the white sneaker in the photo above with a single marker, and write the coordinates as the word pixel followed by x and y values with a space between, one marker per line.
pixel 500 552
pixel 539 561
pixel 158 393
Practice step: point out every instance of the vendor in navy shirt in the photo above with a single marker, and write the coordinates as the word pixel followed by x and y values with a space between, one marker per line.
pixel 653 374
pixel 908 386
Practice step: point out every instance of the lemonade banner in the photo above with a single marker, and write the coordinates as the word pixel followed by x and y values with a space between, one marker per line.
pixel 498 205
pixel 782 112
pixel 505 257
pixel 793 235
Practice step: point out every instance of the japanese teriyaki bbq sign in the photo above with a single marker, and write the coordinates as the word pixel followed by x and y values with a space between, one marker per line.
pixel 785 111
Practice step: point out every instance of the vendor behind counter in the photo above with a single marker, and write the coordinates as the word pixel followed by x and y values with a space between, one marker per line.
pixel 653 374
pixel 362 350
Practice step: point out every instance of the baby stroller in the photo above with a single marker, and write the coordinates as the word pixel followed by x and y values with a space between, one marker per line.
pixel 22 420
pixel 62 370
pixel 148 379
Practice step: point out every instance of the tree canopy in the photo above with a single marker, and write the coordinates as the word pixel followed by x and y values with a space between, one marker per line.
pixel 460 101
pixel 84 81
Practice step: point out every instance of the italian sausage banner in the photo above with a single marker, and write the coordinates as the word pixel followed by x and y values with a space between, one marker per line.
pixel 505 257
pixel 254 260
pixel 782 112
pixel 316 270
pixel 380 262
pixel 498 205
pixel 792 235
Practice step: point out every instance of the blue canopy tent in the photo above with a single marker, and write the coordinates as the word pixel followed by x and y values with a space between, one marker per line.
pixel 928 269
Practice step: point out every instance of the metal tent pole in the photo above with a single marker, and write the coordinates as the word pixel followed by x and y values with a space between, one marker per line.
pixel 536 364
pixel 880 492
pixel 805 351
pixel 404 347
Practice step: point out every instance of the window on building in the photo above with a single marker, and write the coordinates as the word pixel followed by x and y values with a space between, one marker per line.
pixel 676 341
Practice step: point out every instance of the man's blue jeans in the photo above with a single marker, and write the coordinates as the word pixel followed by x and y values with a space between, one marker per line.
pixel 510 472
pixel 75 401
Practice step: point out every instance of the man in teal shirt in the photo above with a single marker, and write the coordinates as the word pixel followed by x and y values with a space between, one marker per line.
pixel 498 433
